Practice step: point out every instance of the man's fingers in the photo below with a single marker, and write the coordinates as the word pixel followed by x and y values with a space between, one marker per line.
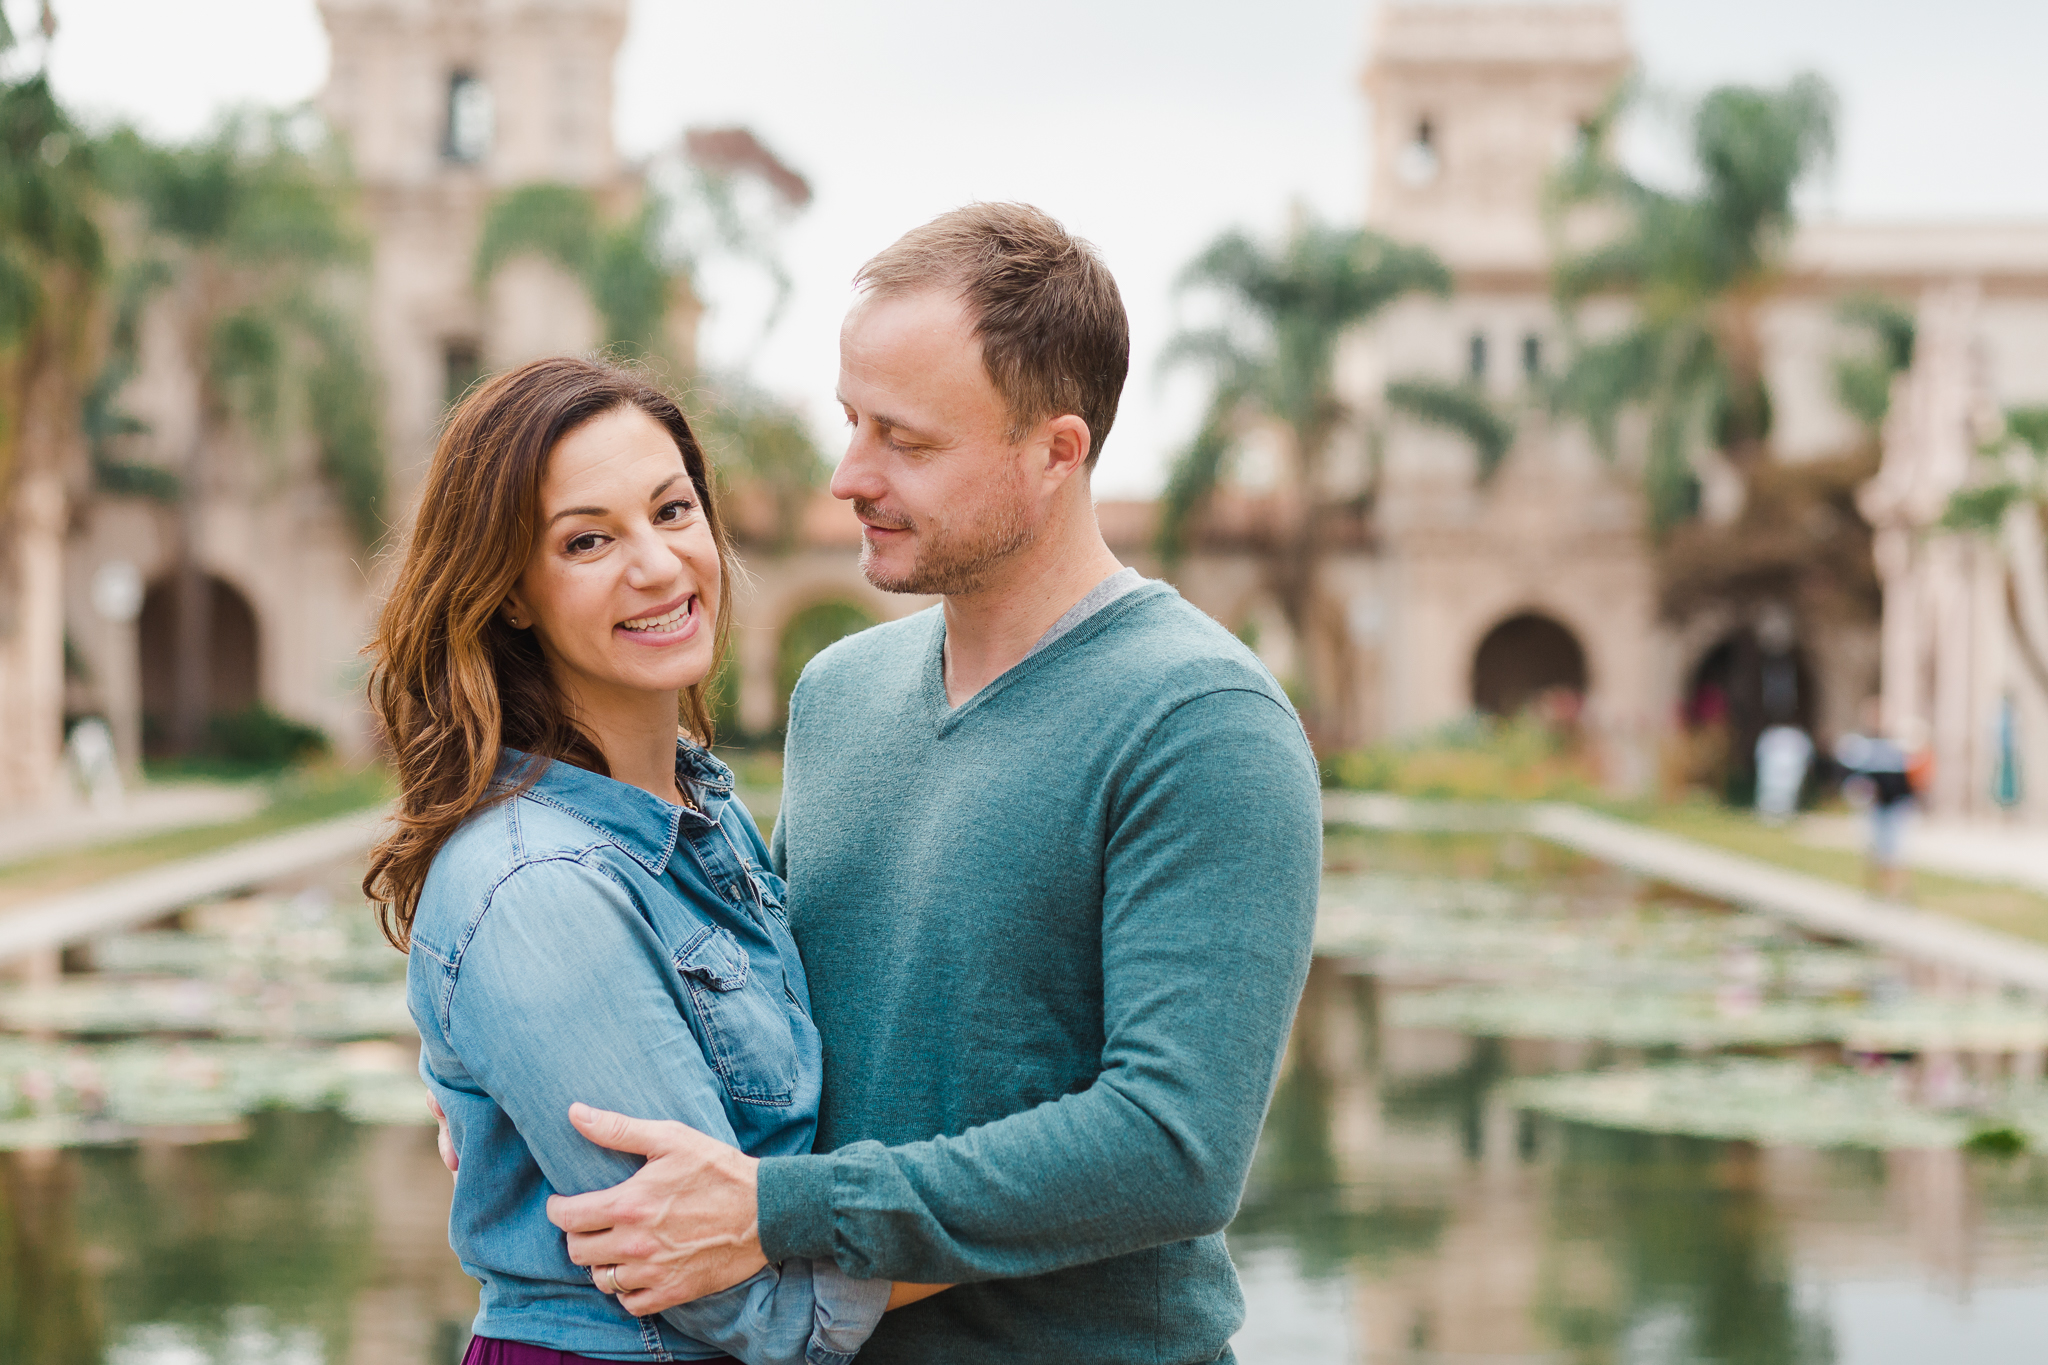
pixel 574 1213
pixel 644 1137
pixel 444 1143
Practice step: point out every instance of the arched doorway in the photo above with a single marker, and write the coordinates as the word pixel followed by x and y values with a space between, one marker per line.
pixel 233 679
pixel 1745 682
pixel 807 633
pixel 1527 660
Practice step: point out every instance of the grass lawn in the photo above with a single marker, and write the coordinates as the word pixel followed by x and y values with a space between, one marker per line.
pixel 2009 909
pixel 300 797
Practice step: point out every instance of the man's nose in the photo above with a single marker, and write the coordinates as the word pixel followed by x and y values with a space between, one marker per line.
pixel 857 474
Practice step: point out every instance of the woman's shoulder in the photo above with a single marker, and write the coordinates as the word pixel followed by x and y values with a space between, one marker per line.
pixel 493 854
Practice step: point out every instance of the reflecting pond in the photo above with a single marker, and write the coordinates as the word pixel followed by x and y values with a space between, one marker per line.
pixel 1414 1199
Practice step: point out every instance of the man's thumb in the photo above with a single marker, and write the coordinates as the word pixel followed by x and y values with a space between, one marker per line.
pixel 616 1131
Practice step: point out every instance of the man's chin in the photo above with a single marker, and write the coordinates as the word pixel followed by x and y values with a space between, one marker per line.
pixel 889 577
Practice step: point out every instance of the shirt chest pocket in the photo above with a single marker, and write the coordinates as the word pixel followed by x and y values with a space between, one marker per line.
pixel 739 1017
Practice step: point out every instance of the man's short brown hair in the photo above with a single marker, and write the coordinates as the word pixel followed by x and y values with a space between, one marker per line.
pixel 1053 334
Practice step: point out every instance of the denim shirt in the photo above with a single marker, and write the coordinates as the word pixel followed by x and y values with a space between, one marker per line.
pixel 585 940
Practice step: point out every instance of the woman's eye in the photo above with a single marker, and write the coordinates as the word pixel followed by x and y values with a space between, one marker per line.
pixel 674 511
pixel 585 543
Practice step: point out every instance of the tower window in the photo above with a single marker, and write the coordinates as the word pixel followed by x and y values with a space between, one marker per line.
pixel 470 119
pixel 1532 356
pixel 1418 163
pixel 1475 357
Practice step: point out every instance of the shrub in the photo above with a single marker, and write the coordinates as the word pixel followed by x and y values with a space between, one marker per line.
pixel 259 738
pixel 1477 758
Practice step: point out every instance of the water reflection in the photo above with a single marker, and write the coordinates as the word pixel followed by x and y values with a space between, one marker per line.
pixel 1401 1210
pixel 311 1240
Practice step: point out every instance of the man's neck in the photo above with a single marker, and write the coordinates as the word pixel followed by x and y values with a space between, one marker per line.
pixel 989 632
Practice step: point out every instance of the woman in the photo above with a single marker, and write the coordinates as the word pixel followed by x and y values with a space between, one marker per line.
pixel 588 911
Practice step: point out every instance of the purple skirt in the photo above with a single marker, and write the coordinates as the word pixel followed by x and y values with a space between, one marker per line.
pixel 487 1351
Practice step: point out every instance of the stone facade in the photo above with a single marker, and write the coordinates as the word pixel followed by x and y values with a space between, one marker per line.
pixel 1461 591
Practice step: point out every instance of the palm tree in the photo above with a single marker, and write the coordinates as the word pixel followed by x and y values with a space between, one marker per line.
pixel 1271 367
pixel 1696 266
pixel 639 268
pixel 51 266
pixel 250 232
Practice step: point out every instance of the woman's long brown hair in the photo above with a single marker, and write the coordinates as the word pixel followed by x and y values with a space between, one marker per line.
pixel 451 684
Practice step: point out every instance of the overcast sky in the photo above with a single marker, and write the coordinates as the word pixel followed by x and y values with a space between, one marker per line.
pixel 1147 127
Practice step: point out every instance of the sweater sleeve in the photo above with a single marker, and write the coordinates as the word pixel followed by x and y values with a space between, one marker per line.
pixel 1212 865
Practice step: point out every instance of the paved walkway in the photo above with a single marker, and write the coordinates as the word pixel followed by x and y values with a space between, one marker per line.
pixel 1819 906
pixel 124 902
pixel 1989 851
pixel 146 810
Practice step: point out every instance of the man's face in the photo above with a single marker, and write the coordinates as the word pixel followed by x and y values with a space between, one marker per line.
pixel 939 486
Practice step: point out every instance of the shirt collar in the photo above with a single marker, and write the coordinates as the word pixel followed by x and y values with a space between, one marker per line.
pixel 644 826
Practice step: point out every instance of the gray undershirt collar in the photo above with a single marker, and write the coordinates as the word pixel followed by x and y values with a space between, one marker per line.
pixel 1101 595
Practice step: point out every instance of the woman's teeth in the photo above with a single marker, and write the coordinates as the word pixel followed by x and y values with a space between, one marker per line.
pixel 673 619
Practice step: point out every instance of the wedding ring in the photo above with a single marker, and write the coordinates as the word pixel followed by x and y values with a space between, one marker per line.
pixel 612 1273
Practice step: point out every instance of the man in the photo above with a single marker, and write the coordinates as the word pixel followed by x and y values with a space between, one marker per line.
pixel 1052 853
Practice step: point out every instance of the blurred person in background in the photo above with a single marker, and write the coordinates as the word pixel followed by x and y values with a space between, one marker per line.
pixel 587 910
pixel 1783 754
pixel 1882 775
pixel 1053 850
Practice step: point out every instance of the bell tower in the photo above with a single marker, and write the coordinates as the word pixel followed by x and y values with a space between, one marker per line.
pixel 445 104
pixel 507 91
pixel 1472 105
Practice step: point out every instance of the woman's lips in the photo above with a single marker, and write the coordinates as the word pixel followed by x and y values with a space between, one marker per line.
pixel 677 623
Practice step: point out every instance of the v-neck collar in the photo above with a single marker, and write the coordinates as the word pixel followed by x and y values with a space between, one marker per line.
pixel 947 717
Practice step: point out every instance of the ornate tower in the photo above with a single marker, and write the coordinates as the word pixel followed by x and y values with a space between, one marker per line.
pixel 1472 106
pixel 443 104
pixel 1536 581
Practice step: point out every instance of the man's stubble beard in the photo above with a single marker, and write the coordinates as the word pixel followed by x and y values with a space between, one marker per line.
pixel 953 565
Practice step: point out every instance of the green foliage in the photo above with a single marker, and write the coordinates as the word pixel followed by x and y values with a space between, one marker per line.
pixel 1276 352
pixel 1462 408
pixel 255 224
pixel 620 265
pixel 1863 383
pixel 258 739
pixel 105 421
pixel 1691 263
pixel 1981 508
pixel 807 634
pixel 752 438
pixel 2028 426
pixel 52 255
pixel 1479 758
pixel 1997 1139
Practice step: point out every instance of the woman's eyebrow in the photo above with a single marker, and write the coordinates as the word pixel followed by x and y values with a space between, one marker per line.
pixel 663 487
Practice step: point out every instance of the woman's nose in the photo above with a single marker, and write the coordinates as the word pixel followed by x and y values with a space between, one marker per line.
pixel 651 561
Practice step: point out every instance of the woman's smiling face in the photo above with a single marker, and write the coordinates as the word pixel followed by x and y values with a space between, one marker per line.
pixel 622 589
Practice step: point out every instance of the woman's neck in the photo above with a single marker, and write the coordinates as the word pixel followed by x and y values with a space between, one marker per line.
pixel 636 733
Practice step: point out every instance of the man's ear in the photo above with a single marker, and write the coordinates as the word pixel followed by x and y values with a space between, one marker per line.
pixel 1067 445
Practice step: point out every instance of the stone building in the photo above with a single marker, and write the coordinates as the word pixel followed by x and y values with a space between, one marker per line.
pixel 1465 594
pixel 442 104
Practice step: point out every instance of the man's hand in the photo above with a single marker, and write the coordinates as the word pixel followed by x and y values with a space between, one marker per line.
pixel 685 1225
pixel 443 1143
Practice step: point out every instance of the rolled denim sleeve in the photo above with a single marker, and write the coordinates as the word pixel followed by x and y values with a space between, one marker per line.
pixel 565 993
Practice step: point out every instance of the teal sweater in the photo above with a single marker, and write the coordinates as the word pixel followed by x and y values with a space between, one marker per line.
pixel 1055 940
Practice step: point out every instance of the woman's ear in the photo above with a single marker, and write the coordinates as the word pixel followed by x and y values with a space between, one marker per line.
pixel 514 614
